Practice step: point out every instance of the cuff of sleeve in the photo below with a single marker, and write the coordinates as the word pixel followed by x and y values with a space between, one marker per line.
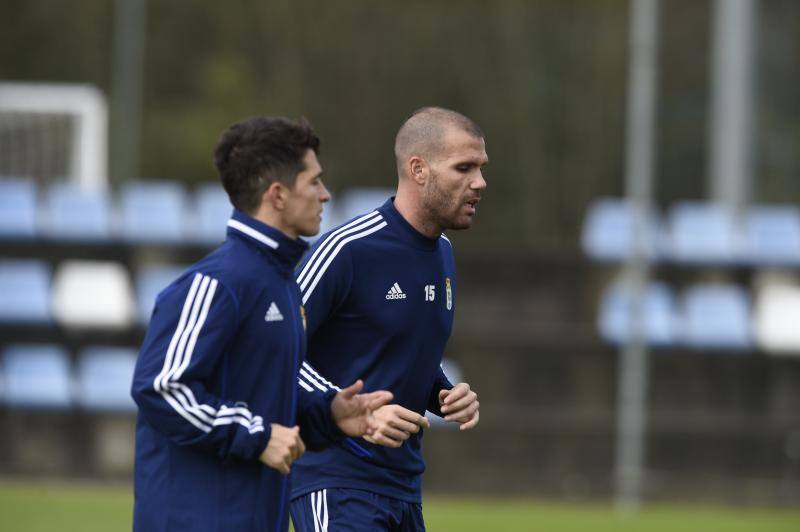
pixel 433 401
pixel 249 447
pixel 317 426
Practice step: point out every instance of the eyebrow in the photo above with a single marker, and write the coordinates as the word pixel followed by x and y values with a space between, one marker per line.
pixel 474 162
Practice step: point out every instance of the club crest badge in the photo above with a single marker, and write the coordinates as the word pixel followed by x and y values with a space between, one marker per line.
pixel 303 315
pixel 449 292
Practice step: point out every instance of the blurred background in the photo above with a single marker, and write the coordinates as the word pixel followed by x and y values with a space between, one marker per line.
pixel 629 296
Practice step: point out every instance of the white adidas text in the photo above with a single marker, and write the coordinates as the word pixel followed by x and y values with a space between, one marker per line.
pixel 395 292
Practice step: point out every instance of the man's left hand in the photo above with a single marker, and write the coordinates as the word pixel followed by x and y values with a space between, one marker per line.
pixel 352 411
pixel 459 404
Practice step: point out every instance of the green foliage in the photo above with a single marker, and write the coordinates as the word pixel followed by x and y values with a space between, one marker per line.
pixel 545 79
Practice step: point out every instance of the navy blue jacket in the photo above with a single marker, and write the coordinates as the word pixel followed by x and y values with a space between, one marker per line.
pixel 219 363
pixel 379 297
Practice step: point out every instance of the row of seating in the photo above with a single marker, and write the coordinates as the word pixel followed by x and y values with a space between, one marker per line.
pixel 81 294
pixel 705 316
pixel 695 232
pixel 42 376
pixel 143 211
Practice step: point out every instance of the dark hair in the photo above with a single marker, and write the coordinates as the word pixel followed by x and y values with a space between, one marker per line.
pixel 256 152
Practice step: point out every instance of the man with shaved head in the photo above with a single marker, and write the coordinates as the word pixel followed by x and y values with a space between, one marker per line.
pixel 379 293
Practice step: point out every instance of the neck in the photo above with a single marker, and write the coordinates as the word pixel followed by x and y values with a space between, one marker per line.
pixel 410 208
pixel 274 219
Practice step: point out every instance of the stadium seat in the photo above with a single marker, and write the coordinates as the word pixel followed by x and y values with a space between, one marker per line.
pixel 24 291
pixel 773 235
pixel 152 212
pixel 703 233
pixel 37 376
pixel 608 234
pixel 104 378
pixel 357 201
pixel 150 281
pixel 776 318
pixel 73 212
pixel 212 210
pixel 92 294
pixel 716 316
pixel 18 213
pixel 614 323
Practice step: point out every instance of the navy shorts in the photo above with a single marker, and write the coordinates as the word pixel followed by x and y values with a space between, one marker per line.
pixel 337 509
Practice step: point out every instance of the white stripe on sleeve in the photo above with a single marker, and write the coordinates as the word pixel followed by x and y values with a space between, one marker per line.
pixel 305 385
pixel 179 356
pixel 319 377
pixel 312 380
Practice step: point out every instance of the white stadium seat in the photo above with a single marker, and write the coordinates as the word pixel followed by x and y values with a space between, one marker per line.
pixel 92 294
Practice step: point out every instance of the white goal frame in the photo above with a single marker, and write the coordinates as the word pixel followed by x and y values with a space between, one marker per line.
pixel 86 105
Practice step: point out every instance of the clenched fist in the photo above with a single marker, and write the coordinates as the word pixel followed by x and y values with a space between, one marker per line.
pixel 284 447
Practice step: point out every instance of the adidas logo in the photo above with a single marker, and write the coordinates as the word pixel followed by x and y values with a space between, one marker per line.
pixel 273 314
pixel 395 292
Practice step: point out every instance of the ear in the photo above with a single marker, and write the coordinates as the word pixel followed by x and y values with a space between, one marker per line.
pixel 418 169
pixel 275 195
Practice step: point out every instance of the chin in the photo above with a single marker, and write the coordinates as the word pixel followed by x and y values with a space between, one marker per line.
pixel 461 223
pixel 309 231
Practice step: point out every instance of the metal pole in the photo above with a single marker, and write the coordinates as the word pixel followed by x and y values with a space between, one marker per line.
pixel 730 161
pixel 126 97
pixel 640 146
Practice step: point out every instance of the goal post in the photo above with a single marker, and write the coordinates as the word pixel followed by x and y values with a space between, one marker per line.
pixel 54 130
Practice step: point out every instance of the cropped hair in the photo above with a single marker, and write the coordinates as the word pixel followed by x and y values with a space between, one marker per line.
pixel 256 152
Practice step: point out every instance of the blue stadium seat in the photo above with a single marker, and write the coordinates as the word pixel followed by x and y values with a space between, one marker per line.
pixel 152 212
pixel 614 323
pixel 37 376
pixel 716 316
pixel 104 378
pixel 17 207
pixel 608 231
pixel 361 200
pixel 74 212
pixel 25 288
pixel 773 235
pixel 212 210
pixel 150 281
pixel 703 233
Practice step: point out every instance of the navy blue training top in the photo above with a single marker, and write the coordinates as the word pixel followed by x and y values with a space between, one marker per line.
pixel 221 361
pixel 379 299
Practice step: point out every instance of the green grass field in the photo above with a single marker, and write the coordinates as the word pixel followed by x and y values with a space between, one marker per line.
pixel 93 508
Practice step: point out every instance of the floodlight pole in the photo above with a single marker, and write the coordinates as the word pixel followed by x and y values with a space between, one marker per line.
pixel 126 94
pixel 732 87
pixel 632 368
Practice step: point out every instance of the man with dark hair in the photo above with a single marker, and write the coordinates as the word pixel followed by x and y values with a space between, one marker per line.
pixel 226 402
pixel 380 293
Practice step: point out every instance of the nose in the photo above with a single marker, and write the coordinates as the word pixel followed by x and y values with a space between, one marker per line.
pixel 324 194
pixel 479 183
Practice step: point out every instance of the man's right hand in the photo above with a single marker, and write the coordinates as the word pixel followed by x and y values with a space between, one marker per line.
pixel 395 425
pixel 284 447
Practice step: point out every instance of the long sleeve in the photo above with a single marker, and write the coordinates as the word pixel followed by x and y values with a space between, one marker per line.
pixel 314 416
pixel 193 323
pixel 440 382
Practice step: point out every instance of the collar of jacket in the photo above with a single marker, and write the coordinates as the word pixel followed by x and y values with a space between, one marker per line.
pixel 405 229
pixel 269 241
